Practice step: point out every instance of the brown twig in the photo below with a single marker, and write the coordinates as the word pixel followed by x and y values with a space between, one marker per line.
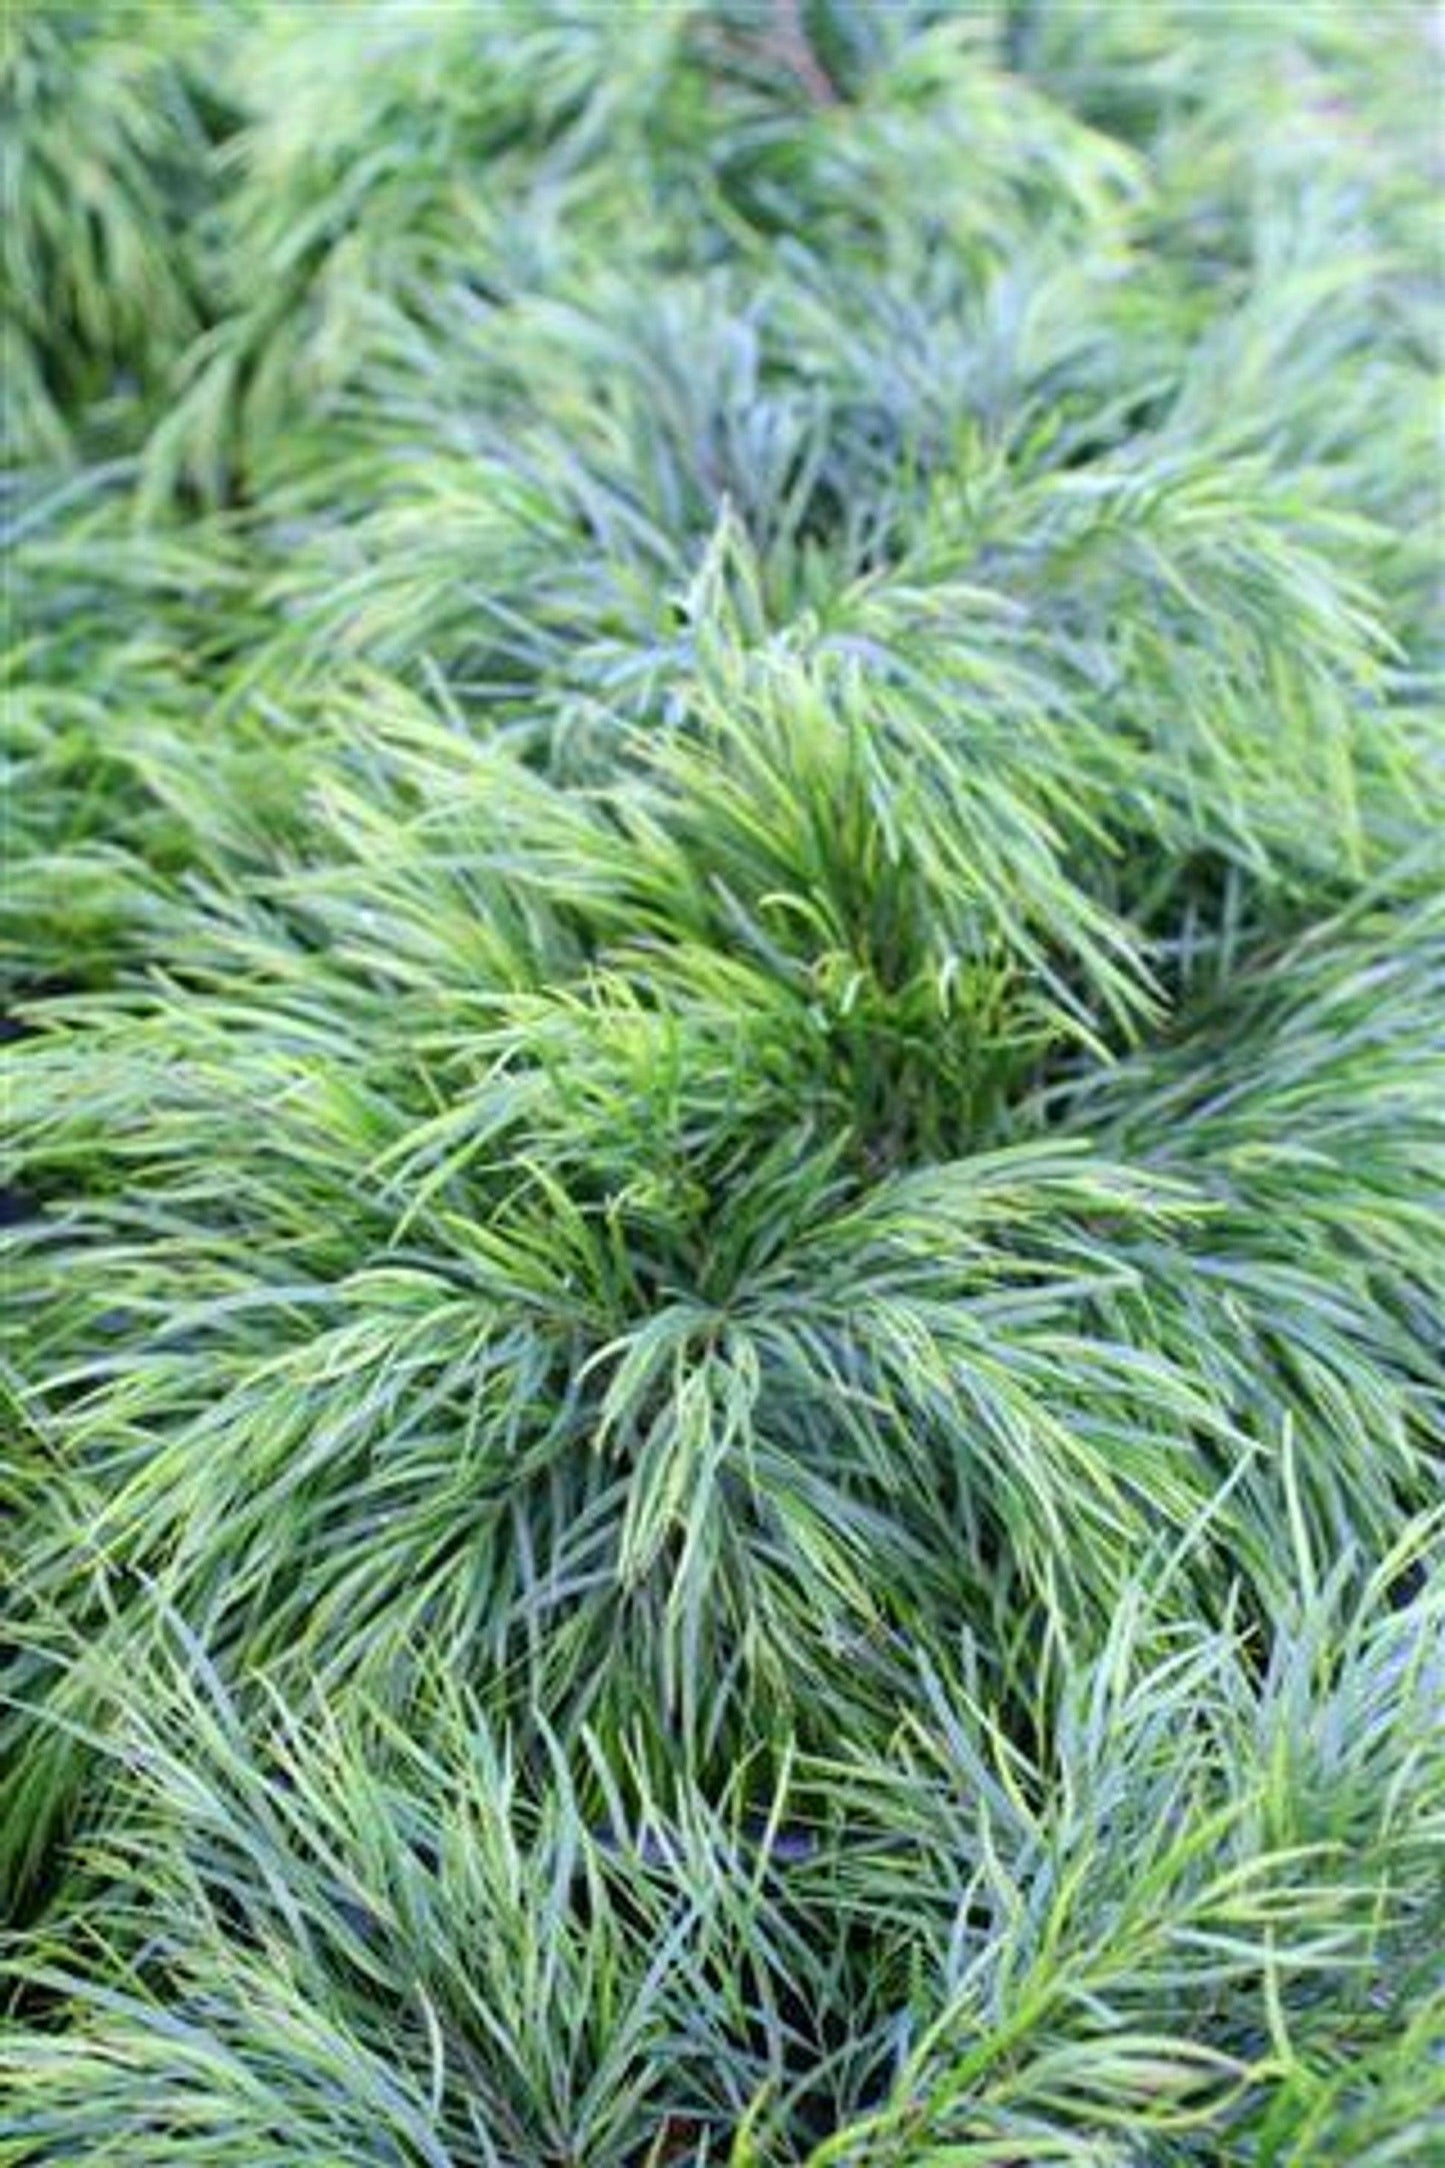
pixel 790 43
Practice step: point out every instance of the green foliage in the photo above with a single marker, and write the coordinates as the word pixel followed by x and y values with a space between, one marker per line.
pixel 103 136
pixel 725 1142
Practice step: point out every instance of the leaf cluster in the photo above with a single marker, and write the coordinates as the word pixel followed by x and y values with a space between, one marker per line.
pixel 725 1114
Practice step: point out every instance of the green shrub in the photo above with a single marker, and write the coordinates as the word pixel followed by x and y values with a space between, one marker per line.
pixel 722 961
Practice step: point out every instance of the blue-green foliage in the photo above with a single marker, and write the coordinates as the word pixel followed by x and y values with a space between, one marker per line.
pixel 725 1112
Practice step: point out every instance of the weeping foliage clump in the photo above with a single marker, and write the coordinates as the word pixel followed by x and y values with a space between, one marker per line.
pixel 724 1167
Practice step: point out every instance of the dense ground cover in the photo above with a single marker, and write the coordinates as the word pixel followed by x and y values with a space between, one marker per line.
pixel 722 955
